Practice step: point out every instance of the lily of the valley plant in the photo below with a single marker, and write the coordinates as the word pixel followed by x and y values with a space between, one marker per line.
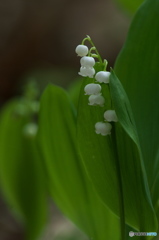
pixel 100 160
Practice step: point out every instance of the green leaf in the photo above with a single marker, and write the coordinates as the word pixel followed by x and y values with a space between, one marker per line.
pixel 131 6
pixel 131 162
pixel 107 160
pixel 137 68
pixel 65 175
pixel 21 176
pixel 96 150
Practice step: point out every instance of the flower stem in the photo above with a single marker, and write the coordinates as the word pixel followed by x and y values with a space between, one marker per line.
pixel 105 64
pixel 93 47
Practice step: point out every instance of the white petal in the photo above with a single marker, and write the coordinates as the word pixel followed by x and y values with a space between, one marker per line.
pixel 102 76
pixel 92 88
pixel 90 72
pixel 96 100
pixel 110 116
pixel 103 128
pixel 87 72
pixel 87 61
pixel 81 50
pixel 83 72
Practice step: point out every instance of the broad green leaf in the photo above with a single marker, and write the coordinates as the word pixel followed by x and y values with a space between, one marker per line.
pixel 131 6
pixel 65 175
pixel 96 150
pixel 137 68
pixel 107 159
pixel 21 177
pixel 131 162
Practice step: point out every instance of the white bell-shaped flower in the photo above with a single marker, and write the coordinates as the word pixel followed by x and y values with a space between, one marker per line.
pixel 92 89
pixel 30 130
pixel 83 72
pixel 81 50
pixel 87 61
pixel 95 100
pixel 103 128
pixel 87 72
pixel 102 76
pixel 110 116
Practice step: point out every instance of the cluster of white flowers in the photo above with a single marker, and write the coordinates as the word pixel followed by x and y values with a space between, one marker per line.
pixel 95 98
pixel 104 128
pixel 87 63
pixel 87 66
pixel 94 89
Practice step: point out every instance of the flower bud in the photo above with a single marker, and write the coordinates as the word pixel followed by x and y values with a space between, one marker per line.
pixel 87 61
pixel 103 128
pixel 92 88
pixel 110 116
pixel 81 50
pixel 96 100
pixel 102 76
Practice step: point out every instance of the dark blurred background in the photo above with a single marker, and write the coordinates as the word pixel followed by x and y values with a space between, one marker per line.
pixel 38 40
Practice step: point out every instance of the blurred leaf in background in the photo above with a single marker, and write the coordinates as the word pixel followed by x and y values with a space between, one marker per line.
pixel 129 6
pixel 21 175
pixel 74 91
